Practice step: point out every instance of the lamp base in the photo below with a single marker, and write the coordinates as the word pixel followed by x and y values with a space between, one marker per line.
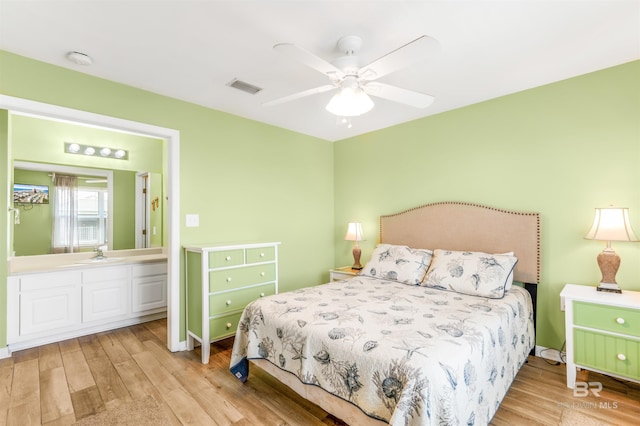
pixel 609 287
pixel 609 262
pixel 356 258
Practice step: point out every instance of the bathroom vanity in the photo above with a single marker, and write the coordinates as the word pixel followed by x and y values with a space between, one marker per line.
pixel 56 297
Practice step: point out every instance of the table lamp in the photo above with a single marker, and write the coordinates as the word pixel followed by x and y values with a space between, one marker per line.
pixel 354 233
pixel 610 224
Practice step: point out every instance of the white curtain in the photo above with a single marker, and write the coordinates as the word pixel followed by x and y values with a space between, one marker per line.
pixel 65 223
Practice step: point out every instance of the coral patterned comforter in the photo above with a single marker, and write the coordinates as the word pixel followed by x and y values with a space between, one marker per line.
pixel 408 355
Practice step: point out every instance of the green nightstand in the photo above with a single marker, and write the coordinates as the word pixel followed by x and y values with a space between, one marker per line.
pixel 602 332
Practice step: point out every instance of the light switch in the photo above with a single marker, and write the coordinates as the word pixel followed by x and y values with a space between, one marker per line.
pixel 193 220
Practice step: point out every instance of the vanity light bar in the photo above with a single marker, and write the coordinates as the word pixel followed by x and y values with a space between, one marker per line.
pixel 97 151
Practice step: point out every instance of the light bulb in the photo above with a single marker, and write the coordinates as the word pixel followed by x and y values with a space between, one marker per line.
pixel 89 150
pixel 105 152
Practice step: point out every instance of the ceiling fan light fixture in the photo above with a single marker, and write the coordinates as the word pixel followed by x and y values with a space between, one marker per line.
pixel 350 102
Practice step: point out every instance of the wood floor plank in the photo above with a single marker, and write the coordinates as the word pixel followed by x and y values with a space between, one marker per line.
pixel 215 403
pixel 113 347
pixel 87 402
pixel 112 389
pixel 69 345
pixel 55 400
pixel 187 409
pixel 78 373
pixel 49 357
pixel 156 373
pixel 129 341
pixel 134 379
pixel 24 407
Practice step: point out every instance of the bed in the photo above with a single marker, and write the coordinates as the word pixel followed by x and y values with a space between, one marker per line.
pixel 431 332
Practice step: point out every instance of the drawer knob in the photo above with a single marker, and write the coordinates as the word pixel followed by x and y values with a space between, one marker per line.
pixel 228 258
pixel 620 320
pixel 261 254
pixel 262 274
pixel 228 279
pixel 228 302
pixel 621 357
pixel 228 325
pixel 261 294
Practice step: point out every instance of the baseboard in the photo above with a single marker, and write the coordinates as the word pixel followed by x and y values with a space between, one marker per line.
pixel 4 353
pixel 550 354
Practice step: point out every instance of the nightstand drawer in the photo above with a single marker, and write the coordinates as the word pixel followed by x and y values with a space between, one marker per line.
pixel 220 259
pixel 235 278
pixel 261 254
pixel 607 353
pixel 608 318
pixel 233 300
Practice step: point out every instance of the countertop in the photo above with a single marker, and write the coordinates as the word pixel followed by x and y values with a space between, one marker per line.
pixel 69 261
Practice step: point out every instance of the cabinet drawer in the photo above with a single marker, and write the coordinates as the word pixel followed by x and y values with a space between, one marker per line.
pixel 241 277
pixel 608 318
pixel 261 254
pixel 96 275
pixel 50 280
pixel 147 269
pixel 223 326
pixel 607 353
pixel 220 259
pixel 238 299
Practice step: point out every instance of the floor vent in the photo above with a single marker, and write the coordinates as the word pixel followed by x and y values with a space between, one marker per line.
pixel 245 87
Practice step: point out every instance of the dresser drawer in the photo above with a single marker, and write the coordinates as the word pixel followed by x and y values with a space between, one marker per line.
pixel 238 299
pixel 241 277
pixel 607 353
pixel 261 254
pixel 220 259
pixel 607 318
pixel 223 326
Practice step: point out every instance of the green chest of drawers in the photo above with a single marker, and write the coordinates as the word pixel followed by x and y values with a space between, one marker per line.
pixel 220 282
pixel 602 331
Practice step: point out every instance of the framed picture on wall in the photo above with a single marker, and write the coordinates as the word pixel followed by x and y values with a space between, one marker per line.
pixel 30 194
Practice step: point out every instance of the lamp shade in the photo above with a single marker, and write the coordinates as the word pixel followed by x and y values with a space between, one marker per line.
pixel 354 232
pixel 349 102
pixel 611 224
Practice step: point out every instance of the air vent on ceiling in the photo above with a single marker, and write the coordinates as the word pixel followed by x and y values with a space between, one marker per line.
pixel 245 87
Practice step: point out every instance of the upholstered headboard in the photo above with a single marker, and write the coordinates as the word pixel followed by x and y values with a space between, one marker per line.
pixel 469 227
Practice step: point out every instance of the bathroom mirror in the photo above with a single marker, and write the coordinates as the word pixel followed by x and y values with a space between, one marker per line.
pixel 120 200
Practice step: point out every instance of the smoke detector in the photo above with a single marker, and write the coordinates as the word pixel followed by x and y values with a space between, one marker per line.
pixel 79 58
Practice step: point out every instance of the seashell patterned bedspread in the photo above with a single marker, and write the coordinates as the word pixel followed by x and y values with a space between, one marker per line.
pixel 404 354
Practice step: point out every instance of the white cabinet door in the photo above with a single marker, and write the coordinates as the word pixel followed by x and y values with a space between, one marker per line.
pixel 105 300
pixel 49 309
pixel 149 293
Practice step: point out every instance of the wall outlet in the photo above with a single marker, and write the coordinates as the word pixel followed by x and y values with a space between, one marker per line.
pixel 193 220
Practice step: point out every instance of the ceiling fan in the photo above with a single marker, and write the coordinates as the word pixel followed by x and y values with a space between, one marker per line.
pixel 354 82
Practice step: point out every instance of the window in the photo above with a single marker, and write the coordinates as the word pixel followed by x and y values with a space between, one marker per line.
pixel 92 216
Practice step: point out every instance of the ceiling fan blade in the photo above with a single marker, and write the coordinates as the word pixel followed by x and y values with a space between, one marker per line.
pixel 309 59
pixel 419 49
pixel 299 95
pixel 398 94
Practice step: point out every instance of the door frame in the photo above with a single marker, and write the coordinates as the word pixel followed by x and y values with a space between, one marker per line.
pixel 171 153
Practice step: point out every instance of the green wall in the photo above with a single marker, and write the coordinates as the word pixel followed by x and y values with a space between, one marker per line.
pixel 248 181
pixel 42 141
pixel 561 150
pixel 33 234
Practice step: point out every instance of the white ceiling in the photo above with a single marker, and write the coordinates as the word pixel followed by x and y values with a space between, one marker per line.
pixel 190 49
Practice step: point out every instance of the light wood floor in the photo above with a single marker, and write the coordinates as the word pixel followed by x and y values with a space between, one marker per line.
pixel 61 383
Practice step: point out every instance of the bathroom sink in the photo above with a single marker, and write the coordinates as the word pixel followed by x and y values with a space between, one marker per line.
pixel 100 260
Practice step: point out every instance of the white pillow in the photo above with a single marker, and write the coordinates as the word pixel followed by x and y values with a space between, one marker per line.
pixel 473 273
pixel 403 264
